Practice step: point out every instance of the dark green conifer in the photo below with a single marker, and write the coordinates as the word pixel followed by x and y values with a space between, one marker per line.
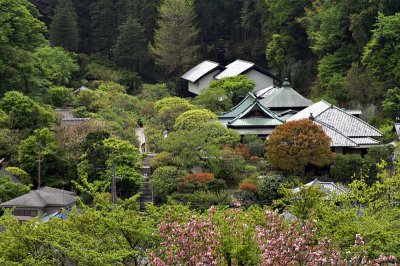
pixel 64 27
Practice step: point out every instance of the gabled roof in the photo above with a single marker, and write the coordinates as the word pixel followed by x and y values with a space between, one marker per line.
pixel 241 115
pixel 337 138
pixel 240 107
pixel 202 69
pixel 285 97
pixel 338 119
pixel 239 67
pixel 42 197
pixel 244 119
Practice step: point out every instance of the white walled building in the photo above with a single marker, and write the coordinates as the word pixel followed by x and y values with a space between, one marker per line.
pixel 200 76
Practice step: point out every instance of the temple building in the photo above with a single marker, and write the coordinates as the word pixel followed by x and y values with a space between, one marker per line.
pixel 348 133
pixel 200 76
pixel 260 112
pixel 251 117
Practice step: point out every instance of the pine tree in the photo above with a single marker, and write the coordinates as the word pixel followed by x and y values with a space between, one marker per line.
pixel 64 27
pixel 130 47
pixel 103 25
pixel 175 45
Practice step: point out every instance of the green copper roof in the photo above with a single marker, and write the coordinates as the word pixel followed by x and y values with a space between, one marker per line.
pixel 250 113
pixel 240 107
pixel 285 97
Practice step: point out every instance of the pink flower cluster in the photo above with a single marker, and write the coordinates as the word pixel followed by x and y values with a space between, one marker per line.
pixel 293 244
pixel 192 243
pixel 196 241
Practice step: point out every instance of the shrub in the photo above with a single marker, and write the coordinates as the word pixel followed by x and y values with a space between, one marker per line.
pixel 165 180
pixel 216 185
pixel 249 187
pixel 269 187
pixel 255 145
pixel 59 96
pixel 21 174
pixel 198 177
pixel 161 159
pixel 345 167
pixel 191 187
pixel 202 199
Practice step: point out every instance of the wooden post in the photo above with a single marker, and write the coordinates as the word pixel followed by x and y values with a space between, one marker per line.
pixel 39 160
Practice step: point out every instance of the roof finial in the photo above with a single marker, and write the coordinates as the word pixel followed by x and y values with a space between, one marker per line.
pixel 286 83
pixel 311 117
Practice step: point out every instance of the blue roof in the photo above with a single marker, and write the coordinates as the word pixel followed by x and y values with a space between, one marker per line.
pixel 61 214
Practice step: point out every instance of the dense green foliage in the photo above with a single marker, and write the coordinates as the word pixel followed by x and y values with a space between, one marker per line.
pixel 346 52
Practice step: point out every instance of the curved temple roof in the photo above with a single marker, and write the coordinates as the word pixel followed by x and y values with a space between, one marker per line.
pixel 285 97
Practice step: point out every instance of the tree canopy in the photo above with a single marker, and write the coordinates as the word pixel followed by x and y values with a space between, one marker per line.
pixel 296 144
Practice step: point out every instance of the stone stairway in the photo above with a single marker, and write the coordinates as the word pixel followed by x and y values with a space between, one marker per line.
pixel 147 193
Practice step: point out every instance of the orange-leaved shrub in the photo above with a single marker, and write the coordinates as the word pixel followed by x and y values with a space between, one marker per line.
pixel 249 186
pixel 198 177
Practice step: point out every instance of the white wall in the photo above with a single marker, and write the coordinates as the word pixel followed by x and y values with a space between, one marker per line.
pixel 202 83
pixel 262 81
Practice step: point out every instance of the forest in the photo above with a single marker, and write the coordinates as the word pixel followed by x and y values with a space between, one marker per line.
pixel 224 199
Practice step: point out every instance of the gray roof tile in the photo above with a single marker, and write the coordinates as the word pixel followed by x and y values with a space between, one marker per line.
pixel 42 197
pixel 338 119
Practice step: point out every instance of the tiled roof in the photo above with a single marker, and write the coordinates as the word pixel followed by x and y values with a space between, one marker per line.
pixel 256 105
pixel 285 97
pixel 197 72
pixel 41 198
pixel 353 111
pixel 337 138
pixel 243 116
pixel 341 121
pixel 328 187
pixel 365 141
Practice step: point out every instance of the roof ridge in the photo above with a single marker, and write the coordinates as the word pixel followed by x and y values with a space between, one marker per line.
pixel 245 61
pixel 40 196
pixel 242 101
pixel 264 109
pixel 334 129
pixel 354 117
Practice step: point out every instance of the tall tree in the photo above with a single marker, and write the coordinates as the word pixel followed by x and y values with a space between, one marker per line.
pixel 296 144
pixel 175 45
pixel 64 27
pixel 103 26
pixel 130 48
pixel 382 53
pixel 20 33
